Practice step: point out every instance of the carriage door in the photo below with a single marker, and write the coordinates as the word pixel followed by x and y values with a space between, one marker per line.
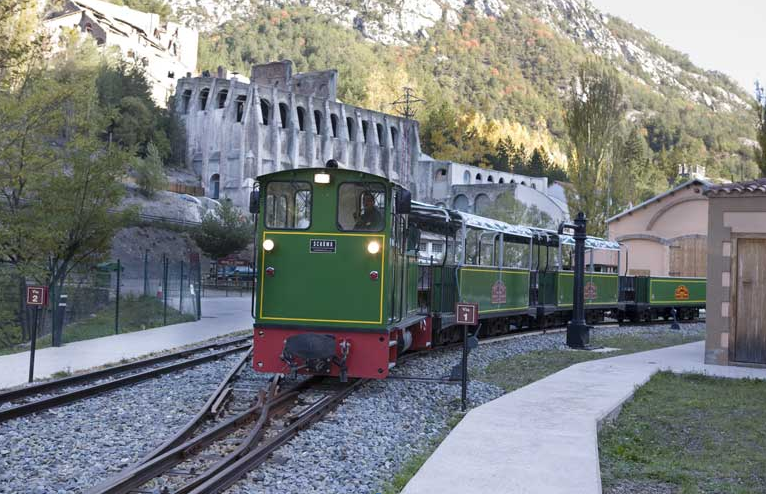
pixel 750 321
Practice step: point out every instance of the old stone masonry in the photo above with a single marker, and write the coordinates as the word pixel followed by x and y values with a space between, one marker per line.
pixel 237 129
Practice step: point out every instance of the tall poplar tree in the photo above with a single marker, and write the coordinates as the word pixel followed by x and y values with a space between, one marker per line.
pixel 594 114
pixel 760 108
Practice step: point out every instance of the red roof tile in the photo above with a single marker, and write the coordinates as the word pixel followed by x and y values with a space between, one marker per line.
pixel 757 187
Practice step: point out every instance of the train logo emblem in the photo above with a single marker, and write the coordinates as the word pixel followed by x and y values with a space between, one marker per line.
pixel 591 292
pixel 682 293
pixel 498 292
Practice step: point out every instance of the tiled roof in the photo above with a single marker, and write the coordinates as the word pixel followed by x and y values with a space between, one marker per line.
pixel 757 187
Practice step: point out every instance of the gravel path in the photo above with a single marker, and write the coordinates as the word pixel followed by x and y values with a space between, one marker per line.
pixel 357 449
pixel 362 445
pixel 74 447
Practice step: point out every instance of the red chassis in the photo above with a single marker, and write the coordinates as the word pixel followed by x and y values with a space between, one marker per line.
pixel 363 354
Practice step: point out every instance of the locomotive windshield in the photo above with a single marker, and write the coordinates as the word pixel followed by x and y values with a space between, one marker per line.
pixel 361 207
pixel 288 205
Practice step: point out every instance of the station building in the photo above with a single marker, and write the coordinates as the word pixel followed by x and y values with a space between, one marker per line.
pixel 665 235
pixel 736 274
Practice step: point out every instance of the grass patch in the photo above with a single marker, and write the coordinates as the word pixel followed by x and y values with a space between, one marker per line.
pixel 411 466
pixel 516 372
pixel 690 434
pixel 136 314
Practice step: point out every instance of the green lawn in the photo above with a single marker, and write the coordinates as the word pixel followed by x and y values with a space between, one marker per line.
pixel 518 371
pixel 688 434
pixel 136 314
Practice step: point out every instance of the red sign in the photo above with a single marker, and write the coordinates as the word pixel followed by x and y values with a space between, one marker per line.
pixel 498 293
pixel 37 295
pixel 682 293
pixel 467 313
pixel 591 292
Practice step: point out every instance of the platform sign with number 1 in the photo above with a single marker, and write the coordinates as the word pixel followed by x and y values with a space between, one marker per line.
pixel 37 297
pixel 466 314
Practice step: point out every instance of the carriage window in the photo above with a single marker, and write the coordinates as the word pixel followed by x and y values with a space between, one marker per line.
pixel 288 205
pixel 361 207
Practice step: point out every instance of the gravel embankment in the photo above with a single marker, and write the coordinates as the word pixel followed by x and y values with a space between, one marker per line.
pixel 72 448
pixel 362 445
pixel 357 449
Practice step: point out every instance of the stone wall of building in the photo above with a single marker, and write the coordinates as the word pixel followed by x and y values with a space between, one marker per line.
pixel 237 131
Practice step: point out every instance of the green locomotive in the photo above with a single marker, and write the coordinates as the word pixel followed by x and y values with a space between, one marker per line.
pixel 342 289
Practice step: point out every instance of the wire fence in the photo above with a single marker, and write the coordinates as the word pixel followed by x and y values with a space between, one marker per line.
pixel 107 298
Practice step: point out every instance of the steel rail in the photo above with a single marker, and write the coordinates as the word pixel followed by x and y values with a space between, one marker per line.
pixel 46 386
pixel 188 429
pixel 87 392
pixel 231 474
pixel 133 478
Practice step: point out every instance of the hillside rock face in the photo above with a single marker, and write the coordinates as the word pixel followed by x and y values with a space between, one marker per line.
pixel 400 22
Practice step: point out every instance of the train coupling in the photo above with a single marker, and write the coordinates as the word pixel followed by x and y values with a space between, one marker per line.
pixel 316 353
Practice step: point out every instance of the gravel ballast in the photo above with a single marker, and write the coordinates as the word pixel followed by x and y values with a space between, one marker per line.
pixel 357 449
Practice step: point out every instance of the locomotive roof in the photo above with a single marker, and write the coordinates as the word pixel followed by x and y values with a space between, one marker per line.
pixel 454 218
pixel 377 178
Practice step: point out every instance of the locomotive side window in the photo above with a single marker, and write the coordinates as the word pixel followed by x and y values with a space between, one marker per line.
pixel 361 207
pixel 288 205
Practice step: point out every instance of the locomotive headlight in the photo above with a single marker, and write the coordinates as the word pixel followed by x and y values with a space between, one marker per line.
pixel 373 247
pixel 268 245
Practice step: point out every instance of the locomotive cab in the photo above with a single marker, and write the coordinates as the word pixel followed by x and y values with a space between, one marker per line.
pixel 333 288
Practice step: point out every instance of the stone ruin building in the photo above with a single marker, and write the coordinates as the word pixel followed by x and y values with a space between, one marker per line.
pixel 237 130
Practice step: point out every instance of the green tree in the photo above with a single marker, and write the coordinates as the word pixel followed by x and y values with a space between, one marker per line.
pixel 594 114
pixel 149 172
pixel 760 108
pixel 225 232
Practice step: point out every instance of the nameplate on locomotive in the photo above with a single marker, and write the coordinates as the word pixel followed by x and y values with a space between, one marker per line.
pixel 322 246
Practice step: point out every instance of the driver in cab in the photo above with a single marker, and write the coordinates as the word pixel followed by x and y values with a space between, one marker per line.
pixel 371 218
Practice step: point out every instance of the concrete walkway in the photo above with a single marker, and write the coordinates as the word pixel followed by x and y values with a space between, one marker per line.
pixel 220 316
pixel 542 439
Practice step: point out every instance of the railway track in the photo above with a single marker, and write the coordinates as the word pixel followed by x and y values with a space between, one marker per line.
pixel 233 443
pixel 45 395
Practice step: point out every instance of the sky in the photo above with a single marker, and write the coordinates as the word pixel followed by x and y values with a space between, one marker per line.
pixel 724 35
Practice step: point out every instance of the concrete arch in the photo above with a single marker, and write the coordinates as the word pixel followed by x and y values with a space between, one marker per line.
pixel 461 203
pixel 481 203
pixel 643 236
pixel 667 207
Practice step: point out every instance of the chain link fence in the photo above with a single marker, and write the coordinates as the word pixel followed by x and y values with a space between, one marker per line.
pixel 108 298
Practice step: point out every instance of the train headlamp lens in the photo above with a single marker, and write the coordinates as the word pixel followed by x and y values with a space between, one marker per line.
pixel 268 245
pixel 322 178
pixel 373 247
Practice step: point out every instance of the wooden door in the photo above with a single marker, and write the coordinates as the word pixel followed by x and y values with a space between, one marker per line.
pixel 688 257
pixel 749 343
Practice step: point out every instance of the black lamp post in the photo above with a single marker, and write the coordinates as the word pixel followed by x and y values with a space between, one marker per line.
pixel 578 333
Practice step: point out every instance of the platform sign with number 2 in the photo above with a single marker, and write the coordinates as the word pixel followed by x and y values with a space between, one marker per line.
pixel 37 295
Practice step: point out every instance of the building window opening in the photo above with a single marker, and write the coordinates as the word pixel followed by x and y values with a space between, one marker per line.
pixel 334 124
pixel 215 186
pixel 523 183
pixel 301 118
pixel 240 102
pixel 394 137
pixel 88 27
pixel 222 95
pixel 283 114
pixel 318 122
pixel 441 174
pixel 203 98
pixel 490 179
pixel 265 111
pixel 365 124
pixel 534 186
pixel 466 177
pixel 478 177
pixel 501 181
pixel 185 100
pixel 351 128
pixel 379 129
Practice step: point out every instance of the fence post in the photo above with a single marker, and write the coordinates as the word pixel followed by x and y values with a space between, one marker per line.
pixel 199 290
pixel 146 272
pixel 117 300
pixel 165 291
pixel 181 290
